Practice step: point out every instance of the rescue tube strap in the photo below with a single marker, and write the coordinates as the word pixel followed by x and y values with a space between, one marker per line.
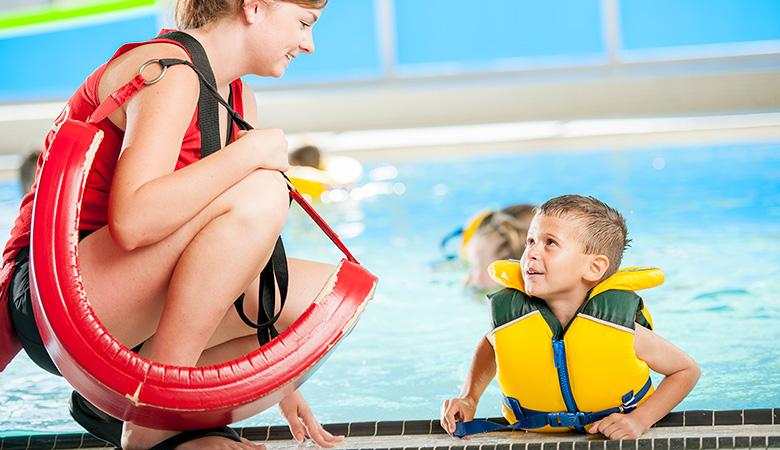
pixel 275 271
pixel 265 312
pixel 208 109
pixel 208 105
pixel 529 419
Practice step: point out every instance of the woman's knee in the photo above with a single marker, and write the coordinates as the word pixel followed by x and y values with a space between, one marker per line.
pixel 260 200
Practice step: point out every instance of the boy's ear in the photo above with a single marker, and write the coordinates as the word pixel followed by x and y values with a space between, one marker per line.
pixel 597 268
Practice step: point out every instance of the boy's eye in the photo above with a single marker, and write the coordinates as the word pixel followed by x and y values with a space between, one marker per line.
pixel 550 242
pixel 529 242
pixel 305 24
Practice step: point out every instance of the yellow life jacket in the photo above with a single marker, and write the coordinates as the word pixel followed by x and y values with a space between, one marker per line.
pixel 574 372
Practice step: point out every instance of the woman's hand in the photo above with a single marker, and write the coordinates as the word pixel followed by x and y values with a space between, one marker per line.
pixel 296 411
pixel 268 145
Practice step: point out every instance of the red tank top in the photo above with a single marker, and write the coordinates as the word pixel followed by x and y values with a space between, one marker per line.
pixel 94 209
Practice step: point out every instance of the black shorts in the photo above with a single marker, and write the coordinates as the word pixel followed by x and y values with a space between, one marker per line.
pixel 22 317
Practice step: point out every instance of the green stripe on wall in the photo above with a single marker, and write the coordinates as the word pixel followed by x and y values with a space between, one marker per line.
pixel 41 15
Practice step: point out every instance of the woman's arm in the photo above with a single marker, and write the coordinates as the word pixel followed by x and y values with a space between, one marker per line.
pixel 148 200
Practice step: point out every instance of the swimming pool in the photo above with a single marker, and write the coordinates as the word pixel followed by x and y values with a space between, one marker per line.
pixel 709 216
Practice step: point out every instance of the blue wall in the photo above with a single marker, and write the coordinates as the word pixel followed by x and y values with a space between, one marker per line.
pixel 54 61
pixel 355 41
pixel 670 23
pixel 474 35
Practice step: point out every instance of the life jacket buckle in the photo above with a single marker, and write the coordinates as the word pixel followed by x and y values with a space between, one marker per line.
pixel 565 419
pixel 629 403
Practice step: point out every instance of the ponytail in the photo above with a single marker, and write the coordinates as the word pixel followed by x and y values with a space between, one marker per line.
pixel 201 13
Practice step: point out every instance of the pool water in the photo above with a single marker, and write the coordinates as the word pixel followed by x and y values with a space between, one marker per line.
pixel 709 216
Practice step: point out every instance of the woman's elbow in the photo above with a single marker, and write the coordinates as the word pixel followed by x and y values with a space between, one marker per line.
pixel 126 237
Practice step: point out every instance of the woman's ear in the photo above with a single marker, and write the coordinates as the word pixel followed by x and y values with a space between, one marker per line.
pixel 597 268
pixel 250 10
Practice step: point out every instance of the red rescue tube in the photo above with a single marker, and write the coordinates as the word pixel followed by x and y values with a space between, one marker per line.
pixel 135 389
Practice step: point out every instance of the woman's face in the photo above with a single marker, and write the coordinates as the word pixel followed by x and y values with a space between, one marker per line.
pixel 281 31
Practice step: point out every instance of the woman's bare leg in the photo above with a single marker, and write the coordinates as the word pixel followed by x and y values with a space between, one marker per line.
pixel 179 289
pixel 233 338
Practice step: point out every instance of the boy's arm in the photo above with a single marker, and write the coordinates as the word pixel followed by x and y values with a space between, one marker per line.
pixel 479 376
pixel 681 374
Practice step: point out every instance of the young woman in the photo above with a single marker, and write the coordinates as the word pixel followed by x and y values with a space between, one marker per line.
pixel 170 240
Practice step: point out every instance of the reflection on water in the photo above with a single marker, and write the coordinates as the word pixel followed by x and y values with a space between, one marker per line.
pixel 709 217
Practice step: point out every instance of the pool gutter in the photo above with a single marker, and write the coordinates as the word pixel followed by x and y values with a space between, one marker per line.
pixel 750 428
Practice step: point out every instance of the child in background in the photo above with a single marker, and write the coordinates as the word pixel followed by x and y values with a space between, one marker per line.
pixel 312 174
pixel 499 235
pixel 28 167
pixel 564 343
pixel 308 156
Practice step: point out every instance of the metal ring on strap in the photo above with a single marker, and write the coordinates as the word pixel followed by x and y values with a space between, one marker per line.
pixel 159 77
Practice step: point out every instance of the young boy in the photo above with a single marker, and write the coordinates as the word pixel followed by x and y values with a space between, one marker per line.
pixel 564 342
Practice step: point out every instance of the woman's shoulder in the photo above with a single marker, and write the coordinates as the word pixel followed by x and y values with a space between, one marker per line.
pixel 177 91
pixel 124 67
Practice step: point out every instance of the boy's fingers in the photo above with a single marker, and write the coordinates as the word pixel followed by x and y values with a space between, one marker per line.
pixel 450 417
pixel 444 421
pixel 595 427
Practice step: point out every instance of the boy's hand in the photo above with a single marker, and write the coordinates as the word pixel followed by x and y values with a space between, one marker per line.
pixel 618 426
pixel 456 410
pixel 302 422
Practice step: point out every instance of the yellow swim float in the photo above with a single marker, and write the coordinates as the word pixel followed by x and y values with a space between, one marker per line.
pixel 336 172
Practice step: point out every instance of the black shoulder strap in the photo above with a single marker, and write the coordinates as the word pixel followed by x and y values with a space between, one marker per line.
pixel 208 108
pixel 275 272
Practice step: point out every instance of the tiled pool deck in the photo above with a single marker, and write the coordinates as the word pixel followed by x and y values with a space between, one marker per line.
pixel 750 428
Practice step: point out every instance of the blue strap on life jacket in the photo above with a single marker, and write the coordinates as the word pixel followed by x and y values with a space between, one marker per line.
pixel 528 419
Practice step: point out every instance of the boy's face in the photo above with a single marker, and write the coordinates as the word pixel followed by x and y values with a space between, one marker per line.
pixel 554 261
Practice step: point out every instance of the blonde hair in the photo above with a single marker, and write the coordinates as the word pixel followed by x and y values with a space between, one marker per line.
pixel 602 229
pixel 510 226
pixel 201 13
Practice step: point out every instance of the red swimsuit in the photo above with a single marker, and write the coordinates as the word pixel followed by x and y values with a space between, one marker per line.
pixel 94 210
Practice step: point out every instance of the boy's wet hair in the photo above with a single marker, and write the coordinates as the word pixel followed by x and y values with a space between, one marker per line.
pixel 602 229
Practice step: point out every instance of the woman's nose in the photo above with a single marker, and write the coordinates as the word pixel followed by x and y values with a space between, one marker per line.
pixel 307 46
